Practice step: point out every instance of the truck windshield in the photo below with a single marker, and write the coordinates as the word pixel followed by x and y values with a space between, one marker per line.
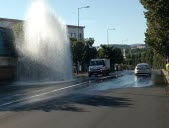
pixel 98 62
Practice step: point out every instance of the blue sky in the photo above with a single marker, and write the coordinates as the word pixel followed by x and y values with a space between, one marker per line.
pixel 126 16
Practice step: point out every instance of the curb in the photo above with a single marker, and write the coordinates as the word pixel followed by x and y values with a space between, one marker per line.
pixel 110 76
pixel 43 83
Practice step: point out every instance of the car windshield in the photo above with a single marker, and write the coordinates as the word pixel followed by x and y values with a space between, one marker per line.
pixel 98 62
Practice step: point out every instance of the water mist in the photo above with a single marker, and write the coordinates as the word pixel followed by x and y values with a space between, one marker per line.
pixel 45 54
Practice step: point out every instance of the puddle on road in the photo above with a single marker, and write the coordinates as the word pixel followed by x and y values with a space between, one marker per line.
pixel 159 80
pixel 130 80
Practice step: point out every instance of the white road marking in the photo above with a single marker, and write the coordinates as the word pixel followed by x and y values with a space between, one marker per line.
pixel 45 93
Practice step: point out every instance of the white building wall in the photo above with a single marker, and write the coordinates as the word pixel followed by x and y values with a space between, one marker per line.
pixel 72 29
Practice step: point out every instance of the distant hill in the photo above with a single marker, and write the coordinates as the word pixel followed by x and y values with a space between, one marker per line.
pixel 121 46
pixel 136 45
pixel 126 46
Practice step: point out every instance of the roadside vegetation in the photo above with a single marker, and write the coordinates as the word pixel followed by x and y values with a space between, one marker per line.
pixel 146 55
pixel 157 33
pixel 83 51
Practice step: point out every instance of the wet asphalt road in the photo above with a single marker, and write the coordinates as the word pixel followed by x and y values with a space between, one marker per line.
pixel 124 101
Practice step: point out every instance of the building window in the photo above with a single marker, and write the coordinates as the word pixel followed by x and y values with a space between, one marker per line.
pixel 73 35
pixel 80 36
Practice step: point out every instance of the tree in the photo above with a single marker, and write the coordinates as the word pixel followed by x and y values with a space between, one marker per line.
pixel 118 56
pixel 143 54
pixel 77 50
pixel 106 51
pixel 90 52
pixel 157 61
pixel 18 30
pixel 83 51
pixel 89 41
pixel 157 33
pixel 149 56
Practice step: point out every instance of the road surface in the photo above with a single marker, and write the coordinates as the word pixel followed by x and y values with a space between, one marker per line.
pixel 125 101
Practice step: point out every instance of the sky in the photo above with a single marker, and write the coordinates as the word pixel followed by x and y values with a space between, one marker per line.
pixel 125 16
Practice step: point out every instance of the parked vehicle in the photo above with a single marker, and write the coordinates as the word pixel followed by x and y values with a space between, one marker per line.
pixel 8 57
pixel 99 67
pixel 142 68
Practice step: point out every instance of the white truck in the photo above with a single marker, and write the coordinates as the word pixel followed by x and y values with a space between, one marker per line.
pixel 99 67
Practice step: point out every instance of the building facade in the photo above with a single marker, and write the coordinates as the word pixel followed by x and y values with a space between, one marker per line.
pixel 8 56
pixel 73 30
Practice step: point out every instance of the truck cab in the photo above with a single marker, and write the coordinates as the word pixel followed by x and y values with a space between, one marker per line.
pixel 99 67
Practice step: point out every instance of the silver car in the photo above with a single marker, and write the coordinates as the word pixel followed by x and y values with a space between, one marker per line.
pixel 142 68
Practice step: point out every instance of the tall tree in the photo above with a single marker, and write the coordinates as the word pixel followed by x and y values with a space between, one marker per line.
pixel 83 51
pixel 157 61
pixel 106 51
pixel 118 56
pixel 89 41
pixel 77 50
pixel 157 33
pixel 90 52
pixel 18 30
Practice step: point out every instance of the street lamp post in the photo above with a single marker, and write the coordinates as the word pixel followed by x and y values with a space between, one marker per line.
pixel 78 19
pixel 108 34
pixel 123 41
pixel 124 50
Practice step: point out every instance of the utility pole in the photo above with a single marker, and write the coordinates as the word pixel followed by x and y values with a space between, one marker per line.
pixel 108 34
pixel 78 20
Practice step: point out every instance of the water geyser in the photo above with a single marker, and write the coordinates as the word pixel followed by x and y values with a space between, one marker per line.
pixel 44 55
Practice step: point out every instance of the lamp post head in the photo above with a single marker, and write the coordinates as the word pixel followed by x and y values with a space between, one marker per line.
pixel 108 34
pixel 111 29
pixel 84 7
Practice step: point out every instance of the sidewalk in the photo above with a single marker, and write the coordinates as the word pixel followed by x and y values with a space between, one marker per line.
pixel 166 79
pixel 165 75
pixel 84 74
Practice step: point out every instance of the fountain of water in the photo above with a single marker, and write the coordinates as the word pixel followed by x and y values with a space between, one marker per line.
pixel 44 55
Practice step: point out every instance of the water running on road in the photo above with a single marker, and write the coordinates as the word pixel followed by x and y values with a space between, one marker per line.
pixel 130 80
pixel 127 79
